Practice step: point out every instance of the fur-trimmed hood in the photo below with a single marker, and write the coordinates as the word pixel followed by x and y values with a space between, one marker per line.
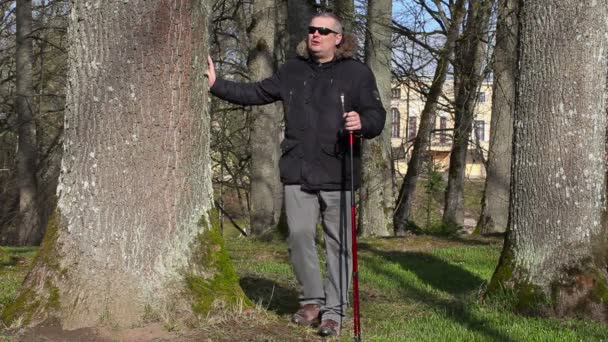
pixel 346 49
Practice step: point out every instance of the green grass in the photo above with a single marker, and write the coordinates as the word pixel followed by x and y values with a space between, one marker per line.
pixel 419 289
pixel 14 264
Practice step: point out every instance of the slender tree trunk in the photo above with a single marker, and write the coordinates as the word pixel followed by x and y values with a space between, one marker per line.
pixel 495 203
pixel 427 117
pixel 377 186
pixel 265 181
pixel 469 79
pixel 28 228
pixel 299 13
pixel 553 259
pixel 346 11
pixel 51 70
pixel 281 50
pixel 132 236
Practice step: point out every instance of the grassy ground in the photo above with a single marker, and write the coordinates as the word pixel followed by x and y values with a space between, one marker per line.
pixel 14 263
pixel 419 288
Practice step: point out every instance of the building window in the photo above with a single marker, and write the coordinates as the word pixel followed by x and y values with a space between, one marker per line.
pixel 481 97
pixel 411 128
pixel 396 93
pixel 396 122
pixel 480 130
pixel 443 125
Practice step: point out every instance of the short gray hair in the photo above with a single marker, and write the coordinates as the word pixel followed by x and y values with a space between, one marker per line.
pixel 326 14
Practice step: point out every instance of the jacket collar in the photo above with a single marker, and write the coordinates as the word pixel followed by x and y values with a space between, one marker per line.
pixel 347 49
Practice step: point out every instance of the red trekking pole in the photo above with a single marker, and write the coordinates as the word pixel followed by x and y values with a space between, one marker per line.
pixel 353 221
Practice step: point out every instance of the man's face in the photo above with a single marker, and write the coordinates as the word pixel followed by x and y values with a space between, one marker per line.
pixel 323 47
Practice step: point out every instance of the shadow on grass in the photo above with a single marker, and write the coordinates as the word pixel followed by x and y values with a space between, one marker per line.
pixel 432 270
pixel 270 295
pixel 440 275
pixel 470 240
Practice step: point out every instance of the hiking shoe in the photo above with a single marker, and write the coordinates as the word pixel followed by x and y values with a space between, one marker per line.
pixel 307 315
pixel 329 327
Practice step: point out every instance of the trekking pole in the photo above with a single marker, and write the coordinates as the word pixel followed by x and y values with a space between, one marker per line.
pixel 353 221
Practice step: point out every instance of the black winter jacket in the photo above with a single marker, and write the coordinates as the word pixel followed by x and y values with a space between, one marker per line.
pixel 315 151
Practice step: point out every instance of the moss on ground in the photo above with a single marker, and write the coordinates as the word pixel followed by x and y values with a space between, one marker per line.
pixel 509 286
pixel 29 302
pixel 580 291
pixel 217 285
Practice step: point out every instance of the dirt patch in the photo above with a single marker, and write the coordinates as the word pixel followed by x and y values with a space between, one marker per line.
pixel 53 332
pixel 253 326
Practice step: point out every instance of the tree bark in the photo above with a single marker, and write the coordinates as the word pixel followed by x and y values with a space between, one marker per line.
pixel 346 11
pixel 266 126
pixel 427 117
pixel 132 237
pixel 298 16
pixel 470 65
pixel 377 198
pixel 495 202
pixel 28 228
pixel 553 259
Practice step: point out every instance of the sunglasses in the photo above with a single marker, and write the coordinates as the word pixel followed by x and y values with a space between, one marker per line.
pixel 324 31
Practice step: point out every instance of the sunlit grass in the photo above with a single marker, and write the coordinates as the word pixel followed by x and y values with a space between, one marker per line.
pixel 13 268
pixel 419 289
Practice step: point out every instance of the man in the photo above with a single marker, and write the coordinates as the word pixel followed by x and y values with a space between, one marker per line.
pixel 324 92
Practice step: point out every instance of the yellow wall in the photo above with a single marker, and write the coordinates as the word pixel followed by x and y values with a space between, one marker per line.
pixel 410 104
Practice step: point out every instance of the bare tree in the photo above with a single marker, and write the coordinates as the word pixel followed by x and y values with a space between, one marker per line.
pixel 495 202
pixel 469 64
pixel 553 261
pixel 346 10
pixel 28 228
pixel 299 13
pixel 266 127
pixel 377 198
pixel 421 142
pixel 230 132
pixel 47 36
pixel 132 236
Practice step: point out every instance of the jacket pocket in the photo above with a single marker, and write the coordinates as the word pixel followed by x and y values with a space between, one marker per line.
pixel 334 168
pixel 296 112
pixel 287 145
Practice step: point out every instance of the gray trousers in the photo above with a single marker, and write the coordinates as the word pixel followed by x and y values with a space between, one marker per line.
pixel 303 209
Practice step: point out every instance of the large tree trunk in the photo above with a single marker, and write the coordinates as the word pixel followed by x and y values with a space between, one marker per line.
pixel 377 198
pixel 427 118
pixel 553 259
pixel 470 65
pixel 265 182
pixel 28 229
pixel 495 202
pixel 132 237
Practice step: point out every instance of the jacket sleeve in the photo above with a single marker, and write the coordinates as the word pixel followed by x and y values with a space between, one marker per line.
pixel 247 94
pixel 370 108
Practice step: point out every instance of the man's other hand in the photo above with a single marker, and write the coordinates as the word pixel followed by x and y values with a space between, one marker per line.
pixel 210 72
pixel 352 121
